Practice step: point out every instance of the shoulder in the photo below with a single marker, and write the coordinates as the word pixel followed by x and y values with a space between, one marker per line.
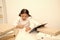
pixel 18 18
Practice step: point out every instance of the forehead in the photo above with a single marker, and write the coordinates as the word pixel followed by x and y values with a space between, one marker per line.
pixel 24 14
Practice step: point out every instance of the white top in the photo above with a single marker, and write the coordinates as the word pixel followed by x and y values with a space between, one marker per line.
pixel 29 22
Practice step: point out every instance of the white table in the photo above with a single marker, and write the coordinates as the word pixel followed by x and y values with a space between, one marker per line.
pixel 48 33
pixel 43 36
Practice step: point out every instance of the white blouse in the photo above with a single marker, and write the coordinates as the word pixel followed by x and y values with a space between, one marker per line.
pixel 29 22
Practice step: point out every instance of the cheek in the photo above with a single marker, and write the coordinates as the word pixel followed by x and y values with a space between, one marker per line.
pixel 24 16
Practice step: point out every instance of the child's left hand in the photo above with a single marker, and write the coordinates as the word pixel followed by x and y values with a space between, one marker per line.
pixel 27 29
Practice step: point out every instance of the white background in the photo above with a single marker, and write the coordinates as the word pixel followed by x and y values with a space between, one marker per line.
pixel 43 11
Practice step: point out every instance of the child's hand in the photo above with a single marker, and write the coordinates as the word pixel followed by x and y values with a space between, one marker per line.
pixel 27 29
pixel 20 26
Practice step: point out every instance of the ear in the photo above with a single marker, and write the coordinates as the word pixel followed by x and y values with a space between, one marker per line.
pixel 19 14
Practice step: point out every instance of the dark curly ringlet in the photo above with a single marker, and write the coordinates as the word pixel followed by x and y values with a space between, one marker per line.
pixel 24 11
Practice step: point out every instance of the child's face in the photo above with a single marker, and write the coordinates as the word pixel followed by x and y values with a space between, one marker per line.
pixel 24 16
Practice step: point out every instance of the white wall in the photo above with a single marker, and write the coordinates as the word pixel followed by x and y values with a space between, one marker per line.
pixel 43 11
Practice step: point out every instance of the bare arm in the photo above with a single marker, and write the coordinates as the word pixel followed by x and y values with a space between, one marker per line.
pixel 20 26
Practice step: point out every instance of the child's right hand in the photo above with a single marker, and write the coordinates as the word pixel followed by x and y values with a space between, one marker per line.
pixel 27 29
pixel 20 26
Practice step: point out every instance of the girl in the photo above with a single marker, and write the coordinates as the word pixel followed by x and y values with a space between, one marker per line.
pixel 25 23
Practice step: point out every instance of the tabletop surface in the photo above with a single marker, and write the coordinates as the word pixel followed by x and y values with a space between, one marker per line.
pixel 5 28
pixel 52 31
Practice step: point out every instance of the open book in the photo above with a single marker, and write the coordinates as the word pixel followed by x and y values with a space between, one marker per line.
pixel 35 29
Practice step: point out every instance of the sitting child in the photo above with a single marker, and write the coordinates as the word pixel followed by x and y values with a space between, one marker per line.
pixel 25 23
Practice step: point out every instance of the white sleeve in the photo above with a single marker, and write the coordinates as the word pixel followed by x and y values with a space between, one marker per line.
pixel 33 23
pixel 16 22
